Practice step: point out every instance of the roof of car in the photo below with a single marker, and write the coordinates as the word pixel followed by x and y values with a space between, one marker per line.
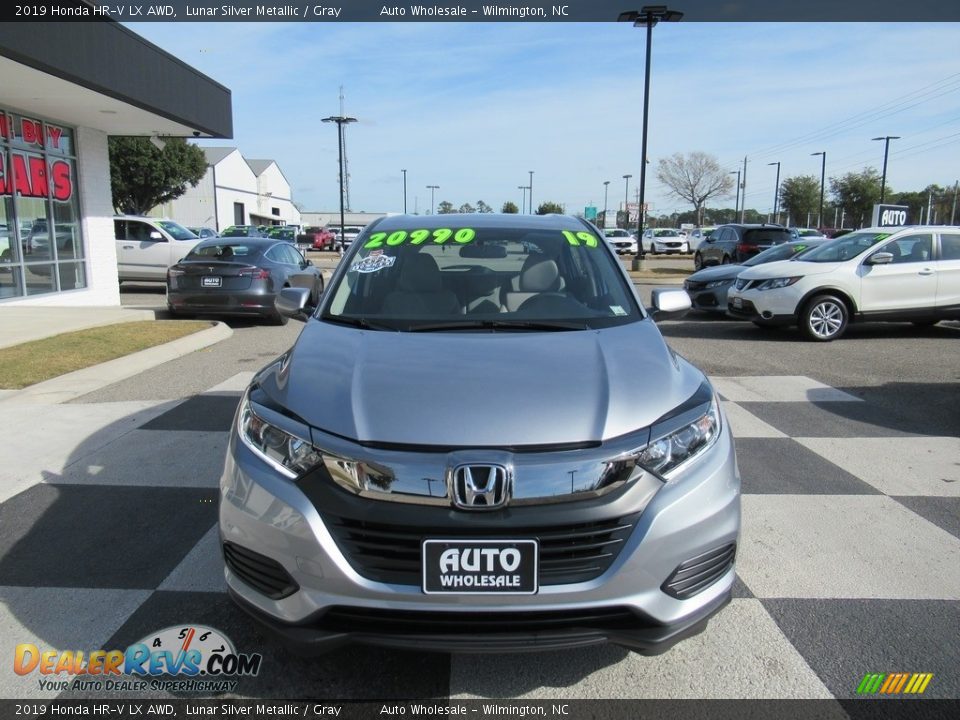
pixel 480 220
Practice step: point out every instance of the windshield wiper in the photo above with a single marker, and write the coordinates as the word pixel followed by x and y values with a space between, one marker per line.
pixel 546 325
pixel 362 323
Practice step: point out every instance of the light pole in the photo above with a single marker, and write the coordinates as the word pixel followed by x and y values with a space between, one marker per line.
pixel 823 176
pixel 523 198
pixel 886 150
pixel 530 195
pixel 648 16
pixel 340 120
pixel 776 194
pixel 404 191
pixel 606 187
pixel 626 202
pixel 431 188
pixel 736 203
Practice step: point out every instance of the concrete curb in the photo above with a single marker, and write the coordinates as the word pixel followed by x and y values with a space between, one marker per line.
pixel 80 382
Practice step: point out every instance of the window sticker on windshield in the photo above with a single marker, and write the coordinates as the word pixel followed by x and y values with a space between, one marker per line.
pixel 617 310
pixel 373 262
pixel 589 239
pixel 417 237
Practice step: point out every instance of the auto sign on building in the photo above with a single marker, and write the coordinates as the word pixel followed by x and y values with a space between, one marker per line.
pixel 890 215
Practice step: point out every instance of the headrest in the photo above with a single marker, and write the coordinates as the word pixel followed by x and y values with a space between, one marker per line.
pixel 539 276
pixel 420 274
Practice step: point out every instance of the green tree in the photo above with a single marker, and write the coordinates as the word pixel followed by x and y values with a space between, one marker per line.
pixel 546 208
pixel 509 207
pixel 445 208
pixel 143 176
pixel 695 177
pixel 467 208
pixel 856 194
pixel 799 196
pixel 482 207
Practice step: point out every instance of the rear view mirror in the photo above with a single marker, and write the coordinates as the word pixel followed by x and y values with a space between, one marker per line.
pixel 292 302
pixel 669 303
pixel 483 252
pixel 880 258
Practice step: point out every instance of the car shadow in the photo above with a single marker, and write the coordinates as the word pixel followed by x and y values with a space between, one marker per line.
pixel 724 328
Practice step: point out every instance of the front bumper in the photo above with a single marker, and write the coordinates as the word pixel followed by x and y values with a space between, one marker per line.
pixel 333 601
pixel 771 307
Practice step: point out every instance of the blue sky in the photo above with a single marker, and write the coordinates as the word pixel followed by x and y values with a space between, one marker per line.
pixel 473 107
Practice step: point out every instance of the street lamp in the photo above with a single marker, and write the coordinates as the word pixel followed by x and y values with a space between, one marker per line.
pixel 776 194
pixel 886 149
pixel 626 201
pixel 823 176
pixel 530 188
pixel 523 198
pixel 648 16
pixel 606 187
pixel 431 188
pixel 404 191
pixel 340 120
pixel 736 203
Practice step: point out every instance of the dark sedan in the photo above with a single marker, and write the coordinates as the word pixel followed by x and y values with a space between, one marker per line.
pixel 708 287
pixel 240 276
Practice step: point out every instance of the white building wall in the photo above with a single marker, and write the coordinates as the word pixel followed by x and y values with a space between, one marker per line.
pixel 196 207
pixel 96 212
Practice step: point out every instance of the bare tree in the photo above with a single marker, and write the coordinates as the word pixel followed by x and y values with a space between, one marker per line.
pixel 695 177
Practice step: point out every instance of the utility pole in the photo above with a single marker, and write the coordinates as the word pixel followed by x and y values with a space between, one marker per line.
pixel 929 206
pixel 953 210
pixel 743 208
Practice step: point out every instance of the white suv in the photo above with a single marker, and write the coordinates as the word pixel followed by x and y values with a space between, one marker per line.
pixel 907 274
pixel 147 246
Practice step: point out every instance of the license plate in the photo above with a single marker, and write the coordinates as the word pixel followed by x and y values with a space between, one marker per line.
pixel 480 567
pixel 738 302
pixel 210 281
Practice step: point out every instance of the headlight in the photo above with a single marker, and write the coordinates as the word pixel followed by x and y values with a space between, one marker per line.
pixel 775 283
pixel 288 454
pixel 719 283
pixel 681 444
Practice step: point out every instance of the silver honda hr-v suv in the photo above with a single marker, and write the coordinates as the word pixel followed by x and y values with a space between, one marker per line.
pixel 480 442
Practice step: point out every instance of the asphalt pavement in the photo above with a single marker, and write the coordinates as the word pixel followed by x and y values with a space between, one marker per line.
pixel 849 561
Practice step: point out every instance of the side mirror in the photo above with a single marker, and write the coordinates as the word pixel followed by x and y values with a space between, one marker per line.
pixel 156 235
pixel 880 258
pixel 669 303
pixel 292 302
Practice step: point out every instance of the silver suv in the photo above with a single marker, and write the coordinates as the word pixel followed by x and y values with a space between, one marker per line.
pixel 480 441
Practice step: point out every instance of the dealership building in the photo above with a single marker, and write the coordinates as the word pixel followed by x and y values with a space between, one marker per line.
pixel 64 88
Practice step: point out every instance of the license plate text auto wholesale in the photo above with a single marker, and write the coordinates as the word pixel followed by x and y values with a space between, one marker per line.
pixel 480 567
pixel 738 302
pixel 210 281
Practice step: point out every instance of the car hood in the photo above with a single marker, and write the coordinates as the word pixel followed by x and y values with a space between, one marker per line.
pixel 787 268
pixel 479 388
pixel 717 272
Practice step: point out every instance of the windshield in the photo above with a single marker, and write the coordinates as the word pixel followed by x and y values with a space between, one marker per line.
pixel 666 233
pixel 176 231
pixel 778 252
pixel 422 276
pixel 849 246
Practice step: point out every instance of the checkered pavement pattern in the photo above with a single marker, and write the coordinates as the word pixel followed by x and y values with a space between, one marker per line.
pixel 849 561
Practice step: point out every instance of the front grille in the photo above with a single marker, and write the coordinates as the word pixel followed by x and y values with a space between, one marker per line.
pixel 263 574
pixel 746 309
pixel 698 573
pixel 693 285
pixel 568 554
pixel 405 622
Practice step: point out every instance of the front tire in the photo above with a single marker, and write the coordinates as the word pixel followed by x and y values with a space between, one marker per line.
pixel 824 318
pixel 697 262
